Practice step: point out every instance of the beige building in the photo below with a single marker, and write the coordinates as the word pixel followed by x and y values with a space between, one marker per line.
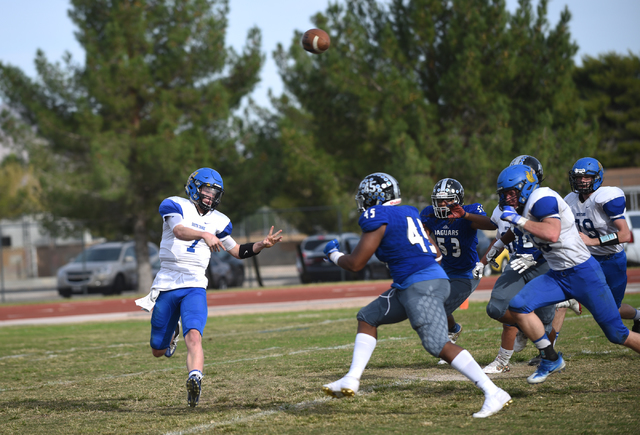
pixel 627 179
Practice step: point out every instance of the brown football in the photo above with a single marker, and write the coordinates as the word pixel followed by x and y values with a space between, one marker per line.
pixel 315 41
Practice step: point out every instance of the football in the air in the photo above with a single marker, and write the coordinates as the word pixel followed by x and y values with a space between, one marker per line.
pixel 315 41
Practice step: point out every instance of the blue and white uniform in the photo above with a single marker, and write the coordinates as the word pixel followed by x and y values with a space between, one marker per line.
pixel 595 217
pixel 574 273
pixel 457 240
pixel 419 287
pixel 179 288
pixel 510 282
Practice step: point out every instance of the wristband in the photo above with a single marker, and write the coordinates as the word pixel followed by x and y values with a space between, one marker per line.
pixel 609 239
pixel 334 257
pixel 523 220
pixel 439 258
pixel 246 251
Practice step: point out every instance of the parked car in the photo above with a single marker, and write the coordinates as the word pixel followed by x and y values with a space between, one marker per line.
pixel 633 247
pixel 225 271
pixel 107 268
pixel 312 267
pixel 237 268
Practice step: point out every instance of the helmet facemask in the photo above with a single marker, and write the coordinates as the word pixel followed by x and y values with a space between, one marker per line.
pixel 580 186
pixel 517 203
pixel 211 193
pixel 442 212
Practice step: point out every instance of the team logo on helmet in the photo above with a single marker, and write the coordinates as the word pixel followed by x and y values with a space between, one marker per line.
pixel 378 188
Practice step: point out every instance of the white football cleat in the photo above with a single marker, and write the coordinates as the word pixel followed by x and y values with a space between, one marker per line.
pixel 174 342
pixel 347 386
pixel 497 366
pixel 494 404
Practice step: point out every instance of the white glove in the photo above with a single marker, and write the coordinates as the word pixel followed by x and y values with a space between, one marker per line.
pixel 477 270
pixel 510 215
pixel 523 262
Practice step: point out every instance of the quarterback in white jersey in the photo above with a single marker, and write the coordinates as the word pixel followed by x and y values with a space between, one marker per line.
pixel 573 274
pixel 191 229
pixel 599 215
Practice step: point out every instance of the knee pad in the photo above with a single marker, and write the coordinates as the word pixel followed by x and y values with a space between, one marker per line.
pixel 494 311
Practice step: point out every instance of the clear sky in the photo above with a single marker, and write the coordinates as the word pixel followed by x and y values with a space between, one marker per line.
pixel 598 26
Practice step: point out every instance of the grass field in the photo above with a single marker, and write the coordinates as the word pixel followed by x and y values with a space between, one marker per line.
pixel 264 374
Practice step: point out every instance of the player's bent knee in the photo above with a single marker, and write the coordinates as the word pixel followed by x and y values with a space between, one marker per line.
pixel 429 341
pixel 615 335
pixel 494 311
pixel 518 305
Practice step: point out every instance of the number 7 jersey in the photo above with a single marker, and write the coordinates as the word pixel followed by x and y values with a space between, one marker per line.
pixel 404 247
pixel 183 262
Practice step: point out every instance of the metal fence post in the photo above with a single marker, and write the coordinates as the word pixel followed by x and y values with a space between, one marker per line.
pixel 1 266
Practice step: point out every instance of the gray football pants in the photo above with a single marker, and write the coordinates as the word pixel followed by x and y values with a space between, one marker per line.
pixel 422 303
pixel 509 284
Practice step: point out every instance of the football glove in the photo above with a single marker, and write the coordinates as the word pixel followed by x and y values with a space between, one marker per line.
pixel 510 215
pixel 456 211
pixel 478 270
pixel 333 247
pixel 522 263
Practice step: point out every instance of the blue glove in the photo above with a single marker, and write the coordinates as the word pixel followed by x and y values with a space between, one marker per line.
pixel 510 215
pixel 332 246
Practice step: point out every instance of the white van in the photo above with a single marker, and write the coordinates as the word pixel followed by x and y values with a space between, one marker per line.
pixel 633 247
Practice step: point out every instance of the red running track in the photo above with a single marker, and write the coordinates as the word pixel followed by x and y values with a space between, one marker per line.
pixel 333 291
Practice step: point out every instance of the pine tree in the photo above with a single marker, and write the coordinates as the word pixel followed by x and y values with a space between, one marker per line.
pixel 152 103
pixel 428 89
pixel 610 88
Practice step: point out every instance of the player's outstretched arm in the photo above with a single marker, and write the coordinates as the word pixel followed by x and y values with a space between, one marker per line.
pixel 364 250
pixel 247 250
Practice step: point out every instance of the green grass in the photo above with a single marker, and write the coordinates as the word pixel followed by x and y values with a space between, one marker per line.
pixel 264 374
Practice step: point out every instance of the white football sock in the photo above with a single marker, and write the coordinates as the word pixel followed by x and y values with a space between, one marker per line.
pixel 465 364
pixel 505 355
pixel 362 350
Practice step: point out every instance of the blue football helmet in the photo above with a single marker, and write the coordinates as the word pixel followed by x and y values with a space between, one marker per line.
pixel 201 179
pixel 377 188
pixel 448 189
pixel 586 166
pixel 523 179
pixel 531 162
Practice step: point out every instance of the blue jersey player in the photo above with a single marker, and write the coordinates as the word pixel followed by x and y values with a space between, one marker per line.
pixel 574 273
pixel 454 227
pixel 192 228
pixel 395 235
